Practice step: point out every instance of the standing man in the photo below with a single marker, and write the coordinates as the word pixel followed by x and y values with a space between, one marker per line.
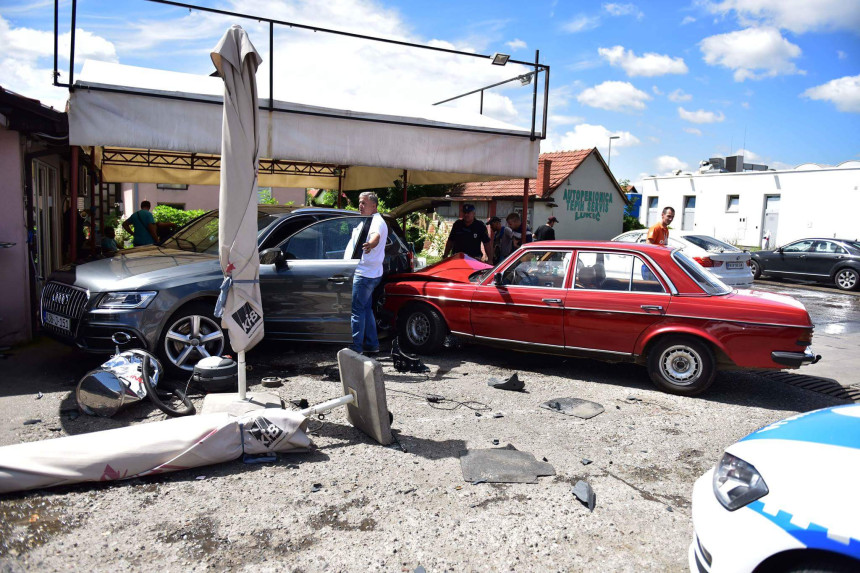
pixel 546 232
pixel 145 228
pixel 467 235
pixel 658 234
pixel 368 275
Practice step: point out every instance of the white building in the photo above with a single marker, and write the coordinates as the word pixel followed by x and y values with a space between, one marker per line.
pixel 742 207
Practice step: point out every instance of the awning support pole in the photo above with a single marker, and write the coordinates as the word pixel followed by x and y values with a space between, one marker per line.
pixel 243 381
pixel 73 208
pixel 524 224
pixel 405 195
pixel 330 405
pixel 339 189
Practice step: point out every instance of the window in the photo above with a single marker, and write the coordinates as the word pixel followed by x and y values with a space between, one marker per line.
pixel 798 247
pixel 545 269
pixel 172 186
pixel 329 239
pixel 829 247
pixel 614 272
pixel 732 203
pixel 180 206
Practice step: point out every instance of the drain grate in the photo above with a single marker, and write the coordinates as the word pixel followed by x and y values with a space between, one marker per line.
pixel 814 384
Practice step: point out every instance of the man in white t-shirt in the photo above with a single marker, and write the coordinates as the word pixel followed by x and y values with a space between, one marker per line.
pixel 368 274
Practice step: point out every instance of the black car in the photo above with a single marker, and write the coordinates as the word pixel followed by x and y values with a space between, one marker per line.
pixel 162 297
pixel 823 260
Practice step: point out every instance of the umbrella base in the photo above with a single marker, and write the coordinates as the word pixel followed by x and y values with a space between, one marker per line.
pixel 230 403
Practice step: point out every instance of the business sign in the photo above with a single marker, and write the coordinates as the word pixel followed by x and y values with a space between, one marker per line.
pixel 587 204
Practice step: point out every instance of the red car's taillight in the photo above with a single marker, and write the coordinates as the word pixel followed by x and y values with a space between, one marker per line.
pixel 708 262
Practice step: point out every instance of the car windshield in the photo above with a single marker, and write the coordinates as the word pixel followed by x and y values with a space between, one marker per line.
pixel 201 235
pixel 710 244
pixel 853 244
pixel 704 278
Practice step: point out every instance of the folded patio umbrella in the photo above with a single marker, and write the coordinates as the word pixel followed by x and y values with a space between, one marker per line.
pixel 147 449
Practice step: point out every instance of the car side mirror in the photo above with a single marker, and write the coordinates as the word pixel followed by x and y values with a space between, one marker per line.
pixel 497 280
pixel 273 256
pixel 779 250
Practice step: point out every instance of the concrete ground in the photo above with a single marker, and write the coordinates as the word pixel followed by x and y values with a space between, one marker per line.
pixel 395 508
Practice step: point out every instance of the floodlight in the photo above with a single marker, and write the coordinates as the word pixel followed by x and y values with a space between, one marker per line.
pixel 500 59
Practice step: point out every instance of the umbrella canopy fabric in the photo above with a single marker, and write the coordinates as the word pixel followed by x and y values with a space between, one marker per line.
pixel 240 304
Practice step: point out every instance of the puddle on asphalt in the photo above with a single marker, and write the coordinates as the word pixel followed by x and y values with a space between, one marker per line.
pixel 333 517
pixel 198 538
pixel 31 522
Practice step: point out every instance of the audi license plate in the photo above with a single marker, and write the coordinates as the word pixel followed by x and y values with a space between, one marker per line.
pixel 58 321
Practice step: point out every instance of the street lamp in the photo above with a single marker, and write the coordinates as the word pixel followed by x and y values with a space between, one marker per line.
pixel 609 158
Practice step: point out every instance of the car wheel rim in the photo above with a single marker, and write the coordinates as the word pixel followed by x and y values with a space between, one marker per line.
pixel 846 279
pixel 681 365
pixel 191 338
pixel 754 268
pixel 418 329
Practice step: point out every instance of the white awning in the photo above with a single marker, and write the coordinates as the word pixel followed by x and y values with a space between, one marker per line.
pixel 131 108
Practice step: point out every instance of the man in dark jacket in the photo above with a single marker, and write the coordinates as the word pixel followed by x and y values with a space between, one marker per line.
pixel 467 235
pixel 546 232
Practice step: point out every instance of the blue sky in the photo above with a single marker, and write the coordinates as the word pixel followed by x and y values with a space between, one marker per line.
pixel 678 82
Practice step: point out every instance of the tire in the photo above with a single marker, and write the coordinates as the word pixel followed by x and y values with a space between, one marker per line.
pixel 756 269
pixel 421 329
pixel 820 562
pixel 681 365
pixel 846 279
pixel 190 334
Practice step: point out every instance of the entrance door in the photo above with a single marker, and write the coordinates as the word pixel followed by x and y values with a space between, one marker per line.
pixel 689 214
pixel 771 219
pixel 49 211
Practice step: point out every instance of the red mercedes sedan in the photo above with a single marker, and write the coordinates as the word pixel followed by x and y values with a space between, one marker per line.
pixel 617 302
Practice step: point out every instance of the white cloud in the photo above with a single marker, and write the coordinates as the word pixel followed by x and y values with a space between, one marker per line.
pixel 748 155
pixel 516 44
pixel 26 60
pixel 700 116
pixel 753 53
pixel 693 131
pixel 648 65
pixel 844 93
pixel 745 104
pixel 581 23
pixel 687 20
pixel 796 15
pixel 679 96
pixel 656 90
pixel 614 96
pixel 841 55
pixel 669 163
pixel 615 9
pixel 586 136
pixel 557 119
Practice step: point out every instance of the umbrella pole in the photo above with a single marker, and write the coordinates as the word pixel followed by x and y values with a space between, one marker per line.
pixel 242 380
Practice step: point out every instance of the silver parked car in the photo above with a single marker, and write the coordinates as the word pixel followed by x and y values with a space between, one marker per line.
pixel 729 263
pixel 162 297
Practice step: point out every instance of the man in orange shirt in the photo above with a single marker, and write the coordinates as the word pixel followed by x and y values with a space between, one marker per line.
pixel 658 234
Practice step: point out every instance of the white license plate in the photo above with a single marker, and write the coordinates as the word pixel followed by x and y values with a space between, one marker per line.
pixel 739 265
pixel 58 321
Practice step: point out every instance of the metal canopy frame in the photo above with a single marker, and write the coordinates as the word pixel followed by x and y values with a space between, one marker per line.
pixel 536 65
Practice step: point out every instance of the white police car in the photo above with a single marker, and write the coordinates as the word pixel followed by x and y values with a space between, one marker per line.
pixel 784 498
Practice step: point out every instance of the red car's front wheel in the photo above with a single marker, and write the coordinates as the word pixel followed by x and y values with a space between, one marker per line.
pixel 421 329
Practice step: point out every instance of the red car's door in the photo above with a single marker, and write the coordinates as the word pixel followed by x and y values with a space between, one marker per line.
pixel 528 306
pixel 614 297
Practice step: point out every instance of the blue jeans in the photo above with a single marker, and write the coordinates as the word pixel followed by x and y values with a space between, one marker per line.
pixel 363 322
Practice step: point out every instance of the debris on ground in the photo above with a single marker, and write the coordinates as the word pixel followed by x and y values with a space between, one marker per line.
pixel 512 383
pixel 32 421
pixel 498 415
pixel 586 461
pixel 584 494
pixel 502 465
pixel 300 403
pixel 39 396
pixel 404 362
pixel 584 409
pixel 272 381
pixel 316 487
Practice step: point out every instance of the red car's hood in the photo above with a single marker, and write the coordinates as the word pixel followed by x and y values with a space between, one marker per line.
pixel 453 269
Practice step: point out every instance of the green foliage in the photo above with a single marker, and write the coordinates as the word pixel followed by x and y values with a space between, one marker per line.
pixel 265 196
pixel 631 223
pixel 165 214
pixel 624 182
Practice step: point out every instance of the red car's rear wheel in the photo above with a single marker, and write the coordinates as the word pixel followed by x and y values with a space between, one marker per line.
pixel 681 365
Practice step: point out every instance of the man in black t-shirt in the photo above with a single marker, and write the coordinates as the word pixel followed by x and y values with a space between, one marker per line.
pixel 546 232
pixel 467 236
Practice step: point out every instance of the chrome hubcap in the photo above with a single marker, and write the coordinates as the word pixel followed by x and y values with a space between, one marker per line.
pixel 191 338
pixel 681 365
pixel 417 329
pixel 846 279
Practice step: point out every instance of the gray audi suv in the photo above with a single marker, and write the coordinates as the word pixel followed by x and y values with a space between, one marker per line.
pixel 162 297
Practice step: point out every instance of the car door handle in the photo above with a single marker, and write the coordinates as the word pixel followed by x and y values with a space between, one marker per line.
pixel 551 300
pixel 658 308
pixel 338 279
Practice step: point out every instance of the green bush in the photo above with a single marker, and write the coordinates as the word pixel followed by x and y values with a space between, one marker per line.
pixel 165 214
pixel 631 224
